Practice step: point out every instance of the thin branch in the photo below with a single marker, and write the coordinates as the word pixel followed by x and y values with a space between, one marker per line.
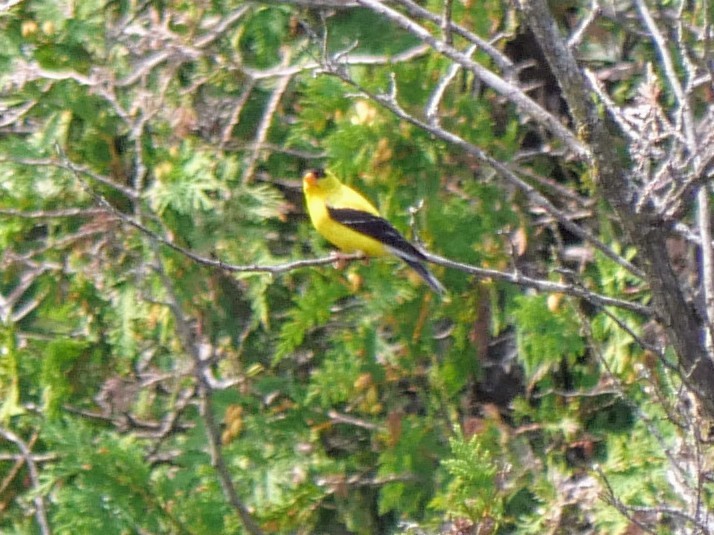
pixel 533 194
pixel 12 115
pixel 596 299
pixel 346 59
pixel 222 26
pixel 38 499
pixel 18 458
pixel 579 33
pixel 621 507
pixel 188 341
pixel 431 111
pixel 238 106
pixel 351 420
pixel 645 229
pixel 53 214
pixel 703 211
pixel 707 269
pixel 498 84
pixel 542 285
pixel 180 52
pixel 556 187
pixel 663 49
pixel 502 61
pixel 265 122
pixel 317 4
pixel 446 22
pixel 7 4
pixel 68 165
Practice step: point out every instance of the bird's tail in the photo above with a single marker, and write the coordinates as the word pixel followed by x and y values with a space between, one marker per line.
pixel 425 274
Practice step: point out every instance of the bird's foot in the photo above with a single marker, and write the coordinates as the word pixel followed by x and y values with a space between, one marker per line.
pixel 340 259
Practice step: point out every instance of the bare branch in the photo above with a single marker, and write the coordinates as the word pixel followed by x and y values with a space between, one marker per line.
pixel 546 286
pixel 643 228
pixel 446 22
pixel 502 61
pixel 542 285
pixel 345 58
pixel 237 109
pixel 351 420
pixel 38 499
pixel 265 122
pixel 703 210
pixel 431 111
pixel 534 195
pixel 318 4
pixel 206 403
pixel 178 51
pixel 508 90
pixel 75 169
pixel 53 214
pixel 577 36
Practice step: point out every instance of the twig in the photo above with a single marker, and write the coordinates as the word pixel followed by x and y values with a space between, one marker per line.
pixel 248 87
pixel 7 4
pixel 533 194
pixel 180 52
pixel 579 33
pixel 446 22
pixel 52 214
pixel 502 61
pixel 539 284
pixel 265 122
pixel 38 499
pixel 75 169
pixel 431 111
pixel 508 90
pixel 351 420
pixel 345 59
pixel 318 4
pixel 703 211
pixel 206 406
pixel 621 507
pixel 17 457
pixel 277 269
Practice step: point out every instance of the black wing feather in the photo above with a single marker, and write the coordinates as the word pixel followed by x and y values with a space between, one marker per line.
pixel 378 228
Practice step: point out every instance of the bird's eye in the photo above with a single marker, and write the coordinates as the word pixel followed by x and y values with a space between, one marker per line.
pixel 318 173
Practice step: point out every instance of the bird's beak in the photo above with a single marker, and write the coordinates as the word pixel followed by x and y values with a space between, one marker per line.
pixel 310 179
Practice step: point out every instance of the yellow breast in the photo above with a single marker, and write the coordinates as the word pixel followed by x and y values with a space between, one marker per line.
pixel 349 241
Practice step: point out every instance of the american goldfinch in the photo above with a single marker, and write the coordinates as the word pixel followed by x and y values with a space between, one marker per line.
pixel 349 221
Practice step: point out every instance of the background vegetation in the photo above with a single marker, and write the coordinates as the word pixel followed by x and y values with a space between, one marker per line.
pixel 177 354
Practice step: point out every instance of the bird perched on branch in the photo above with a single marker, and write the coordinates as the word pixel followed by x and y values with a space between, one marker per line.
pixel 349 221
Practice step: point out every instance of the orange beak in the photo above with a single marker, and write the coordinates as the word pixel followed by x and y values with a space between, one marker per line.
pixel 310 179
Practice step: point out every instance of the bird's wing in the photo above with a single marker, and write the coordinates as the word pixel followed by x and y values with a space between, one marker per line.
pixel 378 229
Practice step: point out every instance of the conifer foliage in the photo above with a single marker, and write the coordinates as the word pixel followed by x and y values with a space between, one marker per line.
pixel 179 355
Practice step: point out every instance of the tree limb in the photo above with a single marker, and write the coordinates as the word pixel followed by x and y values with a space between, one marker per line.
pixel 643 228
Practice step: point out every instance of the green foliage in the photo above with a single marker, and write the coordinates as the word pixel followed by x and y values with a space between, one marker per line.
pixel 60 359
pixel 185 184
pixel 339 400
pixel 414 456
pixel 473 490
pixel 9 375
pixel 545 337
pixel 311 310
pixel 103 483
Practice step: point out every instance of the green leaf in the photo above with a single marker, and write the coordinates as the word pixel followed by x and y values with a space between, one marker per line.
pixel 544 337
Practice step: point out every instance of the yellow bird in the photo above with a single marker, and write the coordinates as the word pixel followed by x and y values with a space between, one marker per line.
pixel 349 221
